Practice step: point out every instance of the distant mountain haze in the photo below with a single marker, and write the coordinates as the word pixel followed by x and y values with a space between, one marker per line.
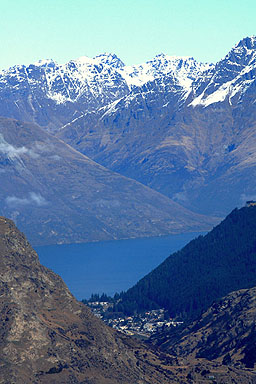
pixel 57 195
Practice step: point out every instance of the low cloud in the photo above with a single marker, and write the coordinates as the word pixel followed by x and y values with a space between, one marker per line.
pixel 37 150
pixel 12 152
pixel 44 147
pixel 180 196
pixel 16 201
pixel 55 157
pixel 33 198
pixel 38 199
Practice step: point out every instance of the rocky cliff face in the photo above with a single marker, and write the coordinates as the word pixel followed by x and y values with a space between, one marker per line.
pixel 224 333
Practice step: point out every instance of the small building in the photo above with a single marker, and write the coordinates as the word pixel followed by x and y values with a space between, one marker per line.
pixel 250 203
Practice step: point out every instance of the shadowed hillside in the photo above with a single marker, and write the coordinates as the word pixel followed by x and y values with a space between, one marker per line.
pixel 209 267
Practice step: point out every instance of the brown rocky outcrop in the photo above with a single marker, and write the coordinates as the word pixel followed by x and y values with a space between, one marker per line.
pixel 224 334
pixel 47 336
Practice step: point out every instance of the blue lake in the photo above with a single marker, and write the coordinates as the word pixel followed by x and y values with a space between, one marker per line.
pixel 109 266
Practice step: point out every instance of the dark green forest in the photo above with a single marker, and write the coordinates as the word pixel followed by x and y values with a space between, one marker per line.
pixel 206 269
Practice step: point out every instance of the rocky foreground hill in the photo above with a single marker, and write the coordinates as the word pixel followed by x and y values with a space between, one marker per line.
pixel 224 333
pixel 47 336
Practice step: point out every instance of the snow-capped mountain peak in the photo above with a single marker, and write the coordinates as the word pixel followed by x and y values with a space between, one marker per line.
pixel 87 84
pixel 231 76
pixel 183 69
pixel 44 63
pixel 243 52
pixel 110 59
pixel 101 79
pixel 248 42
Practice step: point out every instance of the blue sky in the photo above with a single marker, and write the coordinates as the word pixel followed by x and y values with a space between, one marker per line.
pixel 136 30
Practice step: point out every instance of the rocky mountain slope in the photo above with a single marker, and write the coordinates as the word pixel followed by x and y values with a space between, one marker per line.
pixel 224 333
pixel 195 145
pixel 57 195
pixel 49 337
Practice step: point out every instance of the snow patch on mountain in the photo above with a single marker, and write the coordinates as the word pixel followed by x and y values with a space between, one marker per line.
pixel 184 69
pixel 217 96
pixel 230 89
pixel 232 75
pixel 14 153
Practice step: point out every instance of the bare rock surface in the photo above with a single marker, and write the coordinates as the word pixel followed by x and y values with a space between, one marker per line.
pixel 224 334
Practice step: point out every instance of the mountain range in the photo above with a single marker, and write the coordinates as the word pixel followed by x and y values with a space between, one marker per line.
pixel 183 129
pixel 51 94
pixel 194 144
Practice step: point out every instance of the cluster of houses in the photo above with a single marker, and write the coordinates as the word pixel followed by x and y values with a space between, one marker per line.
pixel 142 325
